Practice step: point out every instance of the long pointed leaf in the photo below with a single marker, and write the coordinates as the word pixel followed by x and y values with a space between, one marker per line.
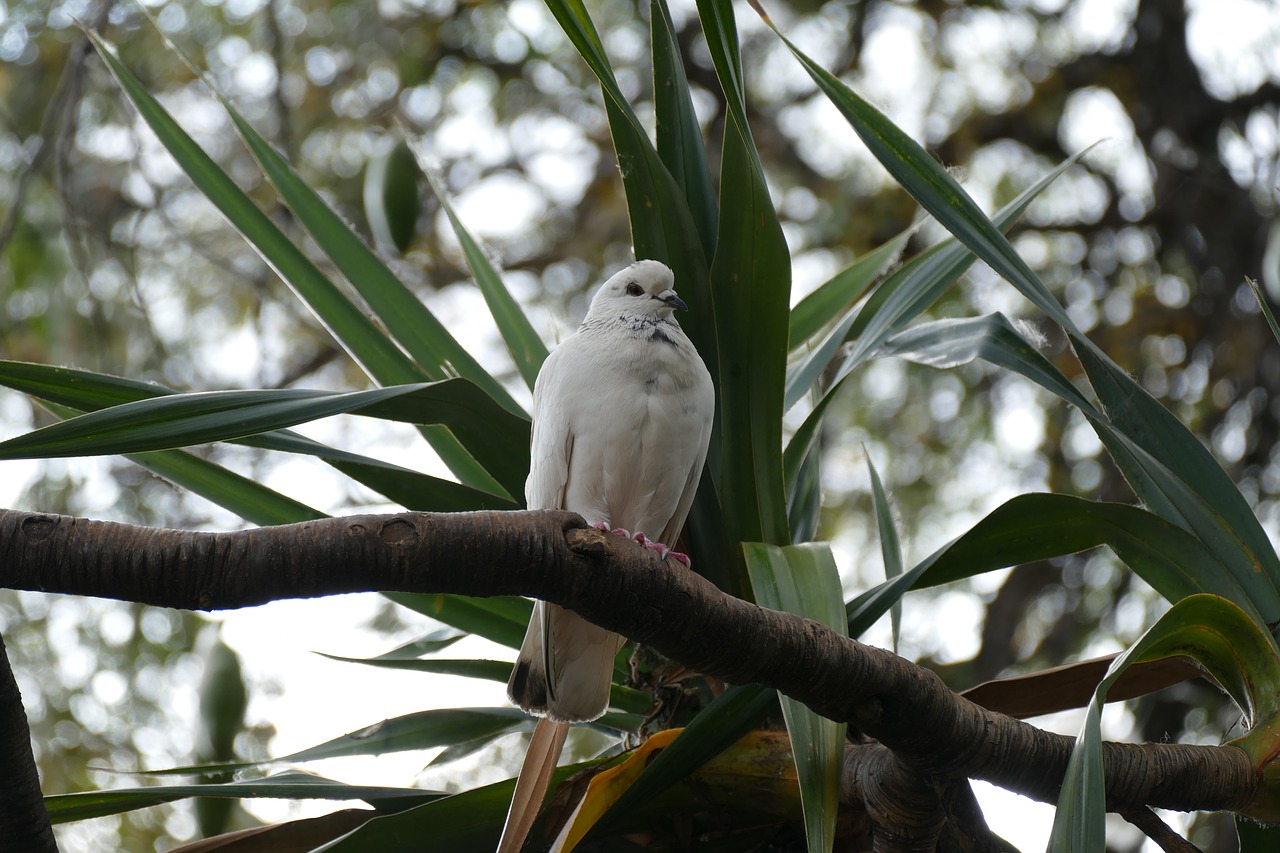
pixel 751 280
pixel 802 579
pixel 185 419
pixel 679 136
pixel 890 547
pixel 842 290
pixel 526 348
pixel 1240 655
pixel 1034 527
pixel 502 619
pixel 87 392
pixel 422 335
pixel 929 184
pixel 355 332
pixel 248 499
pixel 906 293
pixel 289 785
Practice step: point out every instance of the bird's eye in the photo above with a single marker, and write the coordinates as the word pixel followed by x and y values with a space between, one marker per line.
pixel 634 289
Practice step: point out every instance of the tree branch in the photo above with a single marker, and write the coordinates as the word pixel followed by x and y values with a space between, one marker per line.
pixel 626 588
pixel 24 821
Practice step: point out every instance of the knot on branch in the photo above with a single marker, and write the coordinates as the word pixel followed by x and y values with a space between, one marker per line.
pixel 37 528
pixel 399 533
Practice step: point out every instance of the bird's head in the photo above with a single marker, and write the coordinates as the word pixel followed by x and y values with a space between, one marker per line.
pixel 644 289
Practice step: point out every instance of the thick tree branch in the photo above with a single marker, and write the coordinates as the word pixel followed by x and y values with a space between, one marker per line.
pixel 621 586
pixel 24 821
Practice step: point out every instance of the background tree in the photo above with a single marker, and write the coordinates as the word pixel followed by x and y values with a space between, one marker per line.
pixel 1134 261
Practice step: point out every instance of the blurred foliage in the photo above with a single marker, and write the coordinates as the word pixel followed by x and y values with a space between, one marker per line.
pixel 1148 247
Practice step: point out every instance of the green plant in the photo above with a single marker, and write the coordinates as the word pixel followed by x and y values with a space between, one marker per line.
pixel 757 511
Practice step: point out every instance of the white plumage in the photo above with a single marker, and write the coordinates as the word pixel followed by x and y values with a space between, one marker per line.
pixel 622 414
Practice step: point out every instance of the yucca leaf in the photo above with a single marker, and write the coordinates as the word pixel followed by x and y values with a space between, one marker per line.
pixel 679 137
pixel 751 282
pixel 803 579
pixel 890 547
pixel 526 348
pixel 180 420
pixel 839 293
pixel 355 332
pixel 502 619
pixel 1231 647
pixel 85 391
pixel 1034 527
pixel 411 323
pixel 289 785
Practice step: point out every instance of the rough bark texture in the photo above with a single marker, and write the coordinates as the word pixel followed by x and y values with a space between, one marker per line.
pixel 620 585
pixel 24 823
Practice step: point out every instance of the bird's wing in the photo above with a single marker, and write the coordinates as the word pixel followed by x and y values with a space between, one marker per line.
pixel 703 401
pixel 565 664
pixel 551 442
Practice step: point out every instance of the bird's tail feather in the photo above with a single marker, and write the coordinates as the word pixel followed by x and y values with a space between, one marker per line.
pixel 532 783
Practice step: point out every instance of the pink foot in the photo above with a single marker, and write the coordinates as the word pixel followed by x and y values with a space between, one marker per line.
pixel 663 551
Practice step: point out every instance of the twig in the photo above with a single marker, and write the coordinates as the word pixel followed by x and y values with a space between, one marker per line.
pixel 1159 831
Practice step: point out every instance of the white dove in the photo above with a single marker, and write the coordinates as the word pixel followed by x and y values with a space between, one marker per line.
pixel 622 415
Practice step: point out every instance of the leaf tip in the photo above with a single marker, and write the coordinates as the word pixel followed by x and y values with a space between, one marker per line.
pixel 755 4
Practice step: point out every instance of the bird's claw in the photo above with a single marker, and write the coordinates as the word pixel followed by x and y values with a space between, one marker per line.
pixel 663 551
pixel 639 538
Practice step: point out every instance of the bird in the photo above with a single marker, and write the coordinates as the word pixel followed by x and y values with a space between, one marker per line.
pixel 622 415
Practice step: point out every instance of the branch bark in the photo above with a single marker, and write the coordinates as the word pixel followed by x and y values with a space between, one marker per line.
pixel 24 821
pixel 624 587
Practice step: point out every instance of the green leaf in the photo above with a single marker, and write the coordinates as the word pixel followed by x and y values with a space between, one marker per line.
pixel 803 579
pixel 355 332
pixel 679 135
pixel 751 283
pixel 1236 572
pixel 413 490
pixel 902 297
pixel 289 785
pixel 804 497
pixel 930 184
pixel 502 619
pixel 1231 647
pixel 392 203
pixel 526 348
pixel 1177 476
pixel 488 670
pixel 423 336
pixel 1266 308
pixel 1206 501
pixel 248 499
pixel 890 547
pixel 837 295
pixel 991 337
pixel 177 420
pixel 1034 527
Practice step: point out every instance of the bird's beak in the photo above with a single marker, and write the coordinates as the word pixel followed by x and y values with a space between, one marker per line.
pixel 670 298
